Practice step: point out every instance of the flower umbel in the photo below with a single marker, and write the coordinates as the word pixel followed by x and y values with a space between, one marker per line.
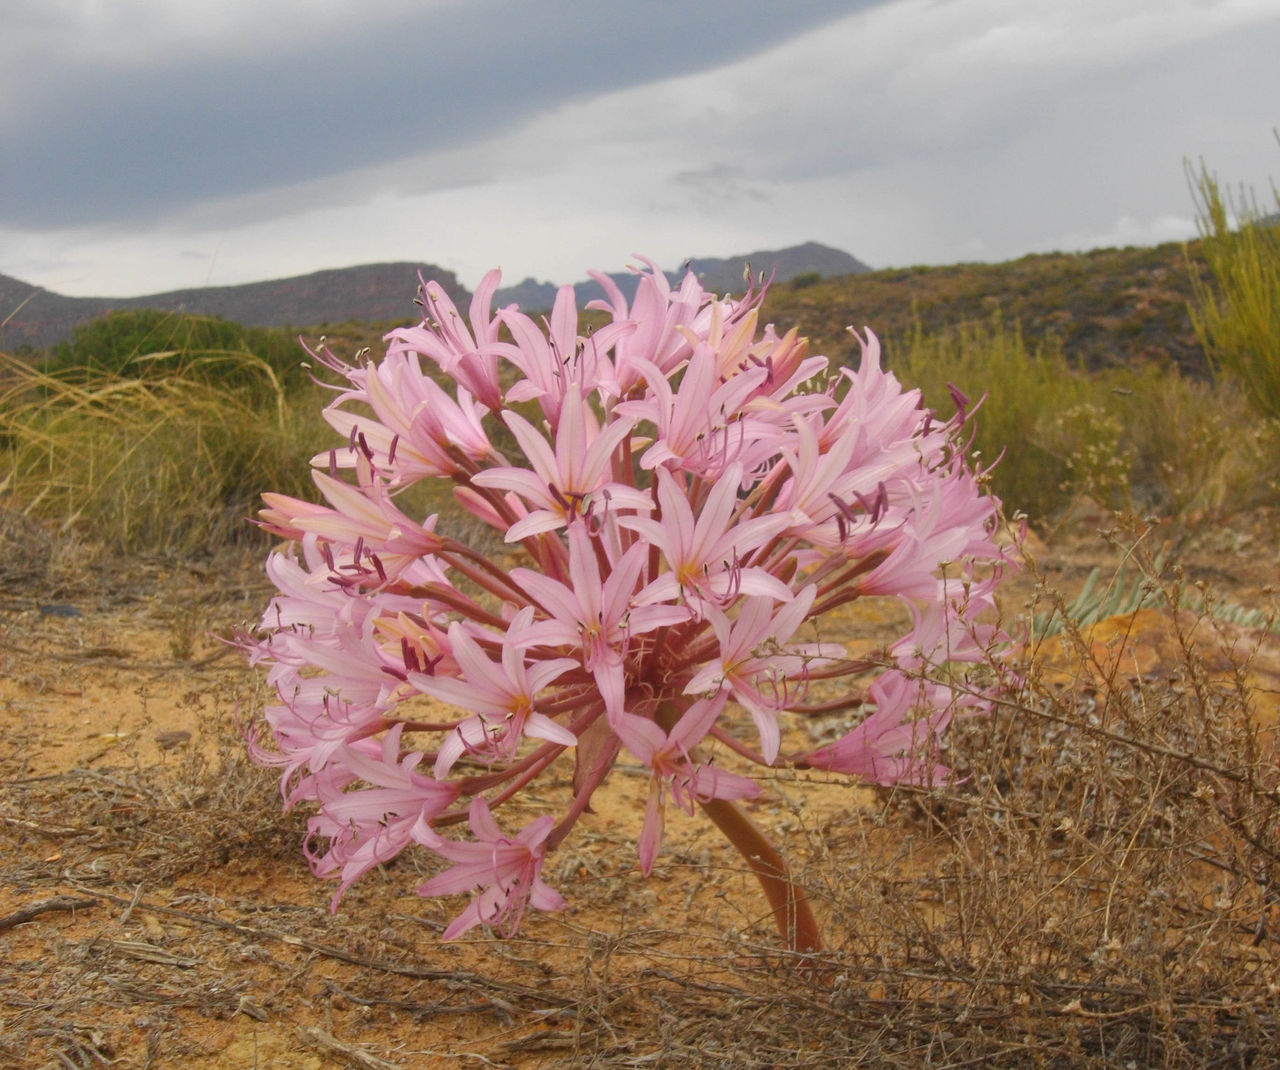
pixel 688 496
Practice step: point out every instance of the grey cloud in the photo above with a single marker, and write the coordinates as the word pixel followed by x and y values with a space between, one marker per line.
pixel 720 183
pixel 1095 120
pixel 97 143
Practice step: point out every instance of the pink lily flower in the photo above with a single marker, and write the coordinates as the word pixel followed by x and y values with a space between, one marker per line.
pixel 820 478
pixel 369 827
pixel 658 317
pixel 551 361
pixel 507 872
pixel 572 478
pixel 946 631
pixel 763 675
pixel 672 771
pixel 877 409
pixel 704 555
pixel 469 358
pixel 417 430
pixel 501 696
pixel 941 529
pixel 596 616
pixel 885 747
pixel 691 495
pixel 306 595
pixel 358 516
pixel 699 423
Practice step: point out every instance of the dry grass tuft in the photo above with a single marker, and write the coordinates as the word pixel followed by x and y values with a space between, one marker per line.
pixel 170 462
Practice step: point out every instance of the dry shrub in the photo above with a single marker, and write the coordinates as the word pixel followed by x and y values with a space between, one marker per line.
pixel 1103 890
pixel 1198 451
pixel 38 561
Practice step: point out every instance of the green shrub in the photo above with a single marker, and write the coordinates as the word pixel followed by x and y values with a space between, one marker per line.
pixel 1130 438
pixel 1024 395
pixel 1237 316
pixel 147 342
pixel 1090 440
pixel 1197 449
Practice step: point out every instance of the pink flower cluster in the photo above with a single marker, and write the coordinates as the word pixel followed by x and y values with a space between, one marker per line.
pixel 689 493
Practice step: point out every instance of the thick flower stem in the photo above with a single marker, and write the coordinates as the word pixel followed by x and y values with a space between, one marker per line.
pixel 791 910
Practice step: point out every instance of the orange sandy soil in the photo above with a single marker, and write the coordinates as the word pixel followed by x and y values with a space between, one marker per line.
pixel 176 922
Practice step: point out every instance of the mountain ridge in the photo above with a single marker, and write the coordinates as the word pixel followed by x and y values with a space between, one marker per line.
pixel 38 317
pixel 382 292
pixel 720 275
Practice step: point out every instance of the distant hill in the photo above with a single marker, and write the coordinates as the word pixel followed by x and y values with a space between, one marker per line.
pixel 1108 307
pixel 720 276
pixel 371 292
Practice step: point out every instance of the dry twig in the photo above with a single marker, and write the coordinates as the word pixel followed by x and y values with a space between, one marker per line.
pixel 57 902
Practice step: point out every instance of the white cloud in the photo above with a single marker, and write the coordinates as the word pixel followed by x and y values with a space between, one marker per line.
pixel 1126 230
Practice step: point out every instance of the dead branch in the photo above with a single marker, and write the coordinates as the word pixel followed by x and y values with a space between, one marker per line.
pixel 57 902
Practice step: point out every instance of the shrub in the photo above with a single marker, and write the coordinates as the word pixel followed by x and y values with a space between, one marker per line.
pixel 1130 438
pixel 1237 317
pixel 1196 450
pixel 148 343
pixel 1024 395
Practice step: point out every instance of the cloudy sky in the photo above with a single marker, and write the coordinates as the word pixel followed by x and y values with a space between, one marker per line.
pixel 158 144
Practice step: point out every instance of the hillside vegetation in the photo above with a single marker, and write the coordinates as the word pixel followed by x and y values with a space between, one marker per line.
pixel 1107 307
pixel 159 430
pixel 32 318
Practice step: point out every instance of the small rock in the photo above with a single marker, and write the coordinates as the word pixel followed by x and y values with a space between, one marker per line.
pixel 169 740
pixel 63 611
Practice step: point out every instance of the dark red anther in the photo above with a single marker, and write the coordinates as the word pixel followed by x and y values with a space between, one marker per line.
pixel 960 398
pixel 875 507
pixel 560 499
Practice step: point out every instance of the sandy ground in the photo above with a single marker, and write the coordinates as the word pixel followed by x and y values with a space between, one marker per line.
pixel 156 910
